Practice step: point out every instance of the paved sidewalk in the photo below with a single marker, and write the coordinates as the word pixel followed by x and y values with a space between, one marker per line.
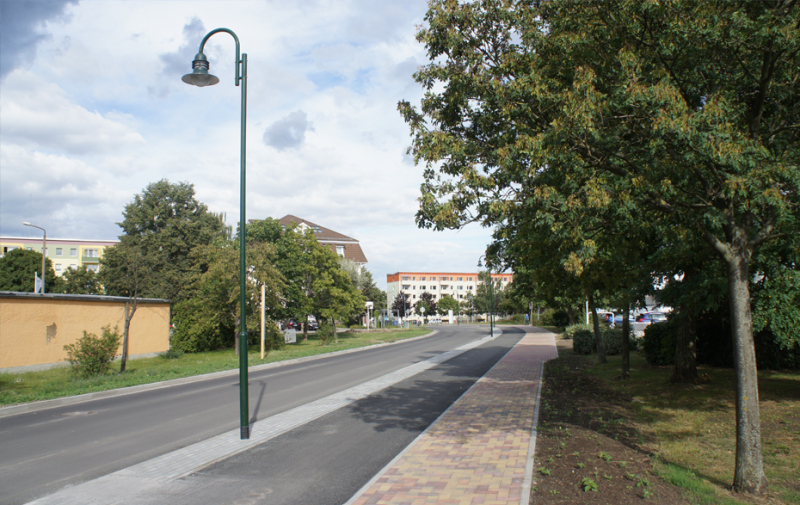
pixel 480 450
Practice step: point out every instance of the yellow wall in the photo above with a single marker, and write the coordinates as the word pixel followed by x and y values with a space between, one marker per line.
pixel 34 329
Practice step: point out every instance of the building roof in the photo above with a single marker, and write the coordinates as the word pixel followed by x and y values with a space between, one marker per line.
pixel 326 236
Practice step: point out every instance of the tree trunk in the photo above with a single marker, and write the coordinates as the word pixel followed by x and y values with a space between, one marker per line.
pixel 626 351
pixel 685 348
pixel 125 332
pixel 749 473
pixel 598 338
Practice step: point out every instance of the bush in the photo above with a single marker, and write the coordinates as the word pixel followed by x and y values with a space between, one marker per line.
pixel 612 341
pixel 553 317
pixel 325 331
pixel 90 355
pixel 273 337
pixel 658 343
pixel 582 338
pixel 199 328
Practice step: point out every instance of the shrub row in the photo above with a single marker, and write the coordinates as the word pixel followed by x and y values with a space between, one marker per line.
pixel 583 341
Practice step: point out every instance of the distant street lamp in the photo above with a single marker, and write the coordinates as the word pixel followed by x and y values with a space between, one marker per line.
pixel 200 77
pixel 44 251
pixel 491 297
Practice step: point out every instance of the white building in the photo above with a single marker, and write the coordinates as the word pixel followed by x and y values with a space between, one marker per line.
pixel 458 285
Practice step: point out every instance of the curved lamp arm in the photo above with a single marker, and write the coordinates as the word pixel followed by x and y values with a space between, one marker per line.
pixel 200 76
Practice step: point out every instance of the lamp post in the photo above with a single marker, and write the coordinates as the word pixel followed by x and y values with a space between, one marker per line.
pixel 200 77
pixel 44 250
pixel 491 297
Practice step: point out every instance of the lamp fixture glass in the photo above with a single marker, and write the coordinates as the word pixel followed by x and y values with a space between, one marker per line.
pixel 200 76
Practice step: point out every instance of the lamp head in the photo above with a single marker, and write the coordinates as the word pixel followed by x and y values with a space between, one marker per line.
pixel 200 76
pixel 26 223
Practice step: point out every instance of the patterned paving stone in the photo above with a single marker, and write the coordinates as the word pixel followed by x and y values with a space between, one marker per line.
pixel 478 451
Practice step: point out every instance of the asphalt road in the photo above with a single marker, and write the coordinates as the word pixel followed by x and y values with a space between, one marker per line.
pixel 43 451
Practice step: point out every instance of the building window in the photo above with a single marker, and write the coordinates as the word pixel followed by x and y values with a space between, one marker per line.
pixel 92 268
pixel 73 252
pixel 413 278
pixel 444 286
pixel 469 279
pixel 422 278
pixel 433 288
pixel 461 287
pixel 422 288
pixel 469 287
pixel 90 253
pixel 58 267
pixel 340 250
pixel 406 286
pixel 59 251
pixel 460 279
pixel 406 278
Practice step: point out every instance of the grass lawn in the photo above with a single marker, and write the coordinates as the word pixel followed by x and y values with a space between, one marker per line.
pixel 60 382
pixel 691 430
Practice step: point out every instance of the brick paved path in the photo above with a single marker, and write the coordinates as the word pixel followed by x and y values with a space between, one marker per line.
pixel 478 451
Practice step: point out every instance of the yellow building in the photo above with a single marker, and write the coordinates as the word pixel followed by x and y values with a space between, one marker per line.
pixel 34 328
pixel 64 253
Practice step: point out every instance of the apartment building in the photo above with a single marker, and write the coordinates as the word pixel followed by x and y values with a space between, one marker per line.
pixel 458 285
pixel 63 253
pixel 344 246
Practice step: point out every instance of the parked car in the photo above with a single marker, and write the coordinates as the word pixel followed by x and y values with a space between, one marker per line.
pixel 291 324
pixel 618 319
pixel 651 317
pixel 312 325
pixel 606 318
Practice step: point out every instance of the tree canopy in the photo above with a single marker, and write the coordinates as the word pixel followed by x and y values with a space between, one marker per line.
pixel 574 120
pixel 17 268
pixel 167 222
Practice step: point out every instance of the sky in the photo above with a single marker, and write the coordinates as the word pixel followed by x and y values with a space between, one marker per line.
pixel 92 110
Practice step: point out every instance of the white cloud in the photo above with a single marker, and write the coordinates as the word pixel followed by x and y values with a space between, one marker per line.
pixel 100 113
pixel 41 116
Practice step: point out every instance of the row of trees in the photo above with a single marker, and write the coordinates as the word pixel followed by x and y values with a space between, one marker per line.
pixel 613 144
pixel 174 248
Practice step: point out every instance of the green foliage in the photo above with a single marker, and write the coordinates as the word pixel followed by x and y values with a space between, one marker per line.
pixel 172 353
pixel 161 227
pixel 447 303
pixel 582 338
pixel 402 303
pixel 658 343
pixel 612 340
pixel 588 484
pixel 201 326
pixel 81 281
pixel 273 337
pixel 325 332
pixel 583 341
pixel 554 317
pixel 90 355
pixel 17 268
pixel 427 302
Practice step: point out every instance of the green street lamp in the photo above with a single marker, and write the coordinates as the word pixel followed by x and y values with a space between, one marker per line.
pixel 491 297
pixel 44 250
pixel 200 77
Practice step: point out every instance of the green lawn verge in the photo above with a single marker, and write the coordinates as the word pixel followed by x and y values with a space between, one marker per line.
pixel 691 427
pixel 61 382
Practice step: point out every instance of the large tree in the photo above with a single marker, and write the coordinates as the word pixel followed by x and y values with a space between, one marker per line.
pixel 17 270
pixel 81 281
pixel 685 112
pixel 166 221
